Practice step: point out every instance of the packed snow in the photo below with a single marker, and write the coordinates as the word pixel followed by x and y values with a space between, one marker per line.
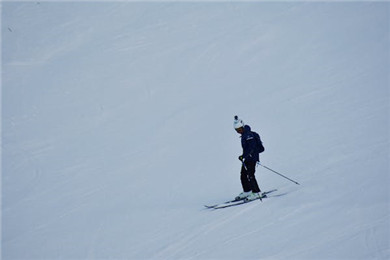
pixel 117 129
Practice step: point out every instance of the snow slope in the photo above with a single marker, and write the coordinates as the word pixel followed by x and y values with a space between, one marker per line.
pixel 117 129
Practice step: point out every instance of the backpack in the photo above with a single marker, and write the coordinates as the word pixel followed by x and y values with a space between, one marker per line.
pixel 259 144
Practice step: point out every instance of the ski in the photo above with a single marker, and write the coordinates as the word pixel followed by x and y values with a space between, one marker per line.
pixel 226 202
pixel 236 202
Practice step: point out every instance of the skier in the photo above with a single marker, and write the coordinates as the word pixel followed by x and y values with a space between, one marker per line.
pixel 249 159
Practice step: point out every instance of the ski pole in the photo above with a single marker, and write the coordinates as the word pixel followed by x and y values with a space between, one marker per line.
pixel 243 164
pixel 279 174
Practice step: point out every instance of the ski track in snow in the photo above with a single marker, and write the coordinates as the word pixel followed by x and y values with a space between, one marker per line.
pixel 185 242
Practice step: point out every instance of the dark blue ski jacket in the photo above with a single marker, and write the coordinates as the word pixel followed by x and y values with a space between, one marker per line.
pixel 248 143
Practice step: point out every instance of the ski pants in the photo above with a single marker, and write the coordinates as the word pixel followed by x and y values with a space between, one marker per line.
pixel 248 179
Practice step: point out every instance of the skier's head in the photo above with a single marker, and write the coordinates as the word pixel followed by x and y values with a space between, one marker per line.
pixel 238 125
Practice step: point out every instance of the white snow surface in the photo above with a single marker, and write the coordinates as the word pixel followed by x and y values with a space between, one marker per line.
pixel 117 128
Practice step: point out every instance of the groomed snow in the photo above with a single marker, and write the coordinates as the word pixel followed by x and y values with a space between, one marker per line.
pixel 117 127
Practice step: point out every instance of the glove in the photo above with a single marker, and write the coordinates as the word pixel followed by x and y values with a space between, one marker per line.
pixel 242 159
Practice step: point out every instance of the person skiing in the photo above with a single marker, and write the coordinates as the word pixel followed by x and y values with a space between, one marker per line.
pixel 249 159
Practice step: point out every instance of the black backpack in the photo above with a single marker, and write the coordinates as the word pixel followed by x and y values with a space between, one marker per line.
pixel 259 144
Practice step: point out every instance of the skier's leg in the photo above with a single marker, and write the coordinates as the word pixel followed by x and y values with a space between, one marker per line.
pixel 251 169
pixel 246 185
